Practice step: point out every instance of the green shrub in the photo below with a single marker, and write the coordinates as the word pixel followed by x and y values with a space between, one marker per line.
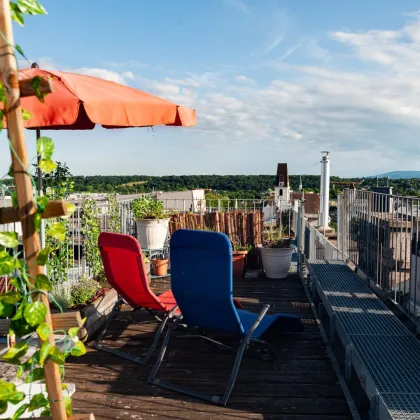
pixel 77 294
pixel 148 208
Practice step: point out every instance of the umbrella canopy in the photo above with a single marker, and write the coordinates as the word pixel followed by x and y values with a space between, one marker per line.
pixel 79 102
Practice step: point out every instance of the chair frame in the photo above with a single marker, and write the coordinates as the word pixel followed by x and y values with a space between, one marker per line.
pixel 221 400
pixel 135 359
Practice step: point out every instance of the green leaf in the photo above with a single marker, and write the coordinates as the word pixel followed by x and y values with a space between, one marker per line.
pixel 7 263
pixel 72 332
pixel 64 386
pixel 18 48
pixel 46 412
pixel 36 83
pixel 26 115
pixel 7 390
pixel 17 397
pixel 9 239
pixel 42 282
pixel 37 221
pixel 67 403
pixel 14 200
pixel 3 407
pixel 16 14
pixel 42 203
pixel 42 256
pixel 35 375
pixel 20 411
pixel 43 331
pixel 19 312
pixel 23 368
pixel 11 172
pixel 47 166
pixel 11 297
pixel 20 327
pixel 44 351
pixel 56 355
pixel 57 231
pixel 78 349
pixel 31 7
pixel 45 147
pixel 71 208
pixel 14 282
pixel 17 351
pixel 6 310
pixel 34 313
pixel 37 401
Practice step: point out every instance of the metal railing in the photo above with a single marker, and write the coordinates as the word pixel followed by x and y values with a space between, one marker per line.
pixel 381 238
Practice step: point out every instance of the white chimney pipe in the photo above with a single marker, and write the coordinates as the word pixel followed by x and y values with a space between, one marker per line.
pixel 325 190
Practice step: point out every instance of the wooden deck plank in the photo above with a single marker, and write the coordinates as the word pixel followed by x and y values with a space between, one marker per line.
pixel 300 384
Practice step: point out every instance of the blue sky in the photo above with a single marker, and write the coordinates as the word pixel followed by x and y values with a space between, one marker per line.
pixel 271 81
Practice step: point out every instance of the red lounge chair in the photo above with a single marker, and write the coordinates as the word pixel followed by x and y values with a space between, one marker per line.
pixel 126 273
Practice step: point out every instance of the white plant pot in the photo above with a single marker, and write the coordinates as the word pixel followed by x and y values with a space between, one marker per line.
pixel 152 234
pixel 276 261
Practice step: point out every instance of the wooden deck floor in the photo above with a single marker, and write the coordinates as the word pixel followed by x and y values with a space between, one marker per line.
pixel 300 384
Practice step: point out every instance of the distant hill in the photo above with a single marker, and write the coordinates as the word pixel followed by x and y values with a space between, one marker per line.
pixel 401 174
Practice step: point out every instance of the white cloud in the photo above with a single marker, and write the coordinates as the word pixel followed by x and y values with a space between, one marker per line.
pixel 127 64
pixel 245 79
pixel 128 75
pixel 280 25
pixel 110 75
pixel 238 4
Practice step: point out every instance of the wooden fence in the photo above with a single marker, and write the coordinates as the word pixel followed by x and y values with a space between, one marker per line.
pixel 242 228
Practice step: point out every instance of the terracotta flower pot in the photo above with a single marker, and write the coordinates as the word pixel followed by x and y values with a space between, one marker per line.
pixel 160 266
pixel 238 263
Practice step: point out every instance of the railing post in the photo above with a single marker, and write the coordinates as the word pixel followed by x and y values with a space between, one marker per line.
pixel 346 222
pixel 219 205
pixel 340 225
pixel 299 238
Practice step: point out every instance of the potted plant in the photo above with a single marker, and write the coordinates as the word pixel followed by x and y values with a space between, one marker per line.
pixel 146 262
pixel 276 254
pixel 160 266
pixel 239 253
pixel 151 221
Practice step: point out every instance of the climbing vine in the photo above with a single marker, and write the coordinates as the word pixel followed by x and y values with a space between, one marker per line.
pixel 23 304
pixel 114 216
pixel 58 185
pixel 90 230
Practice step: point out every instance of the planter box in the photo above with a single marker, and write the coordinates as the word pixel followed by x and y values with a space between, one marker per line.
pixel 97 314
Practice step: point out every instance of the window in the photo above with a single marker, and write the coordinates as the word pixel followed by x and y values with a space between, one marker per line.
pixel 281 193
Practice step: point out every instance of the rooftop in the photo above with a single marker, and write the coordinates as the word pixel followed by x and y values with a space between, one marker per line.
pixel 300 384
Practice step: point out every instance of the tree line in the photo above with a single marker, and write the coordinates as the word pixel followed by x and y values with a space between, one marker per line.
pixel 232 186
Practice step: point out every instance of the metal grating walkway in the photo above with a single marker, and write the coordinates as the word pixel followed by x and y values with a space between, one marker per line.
pixel 397 405
pixel 382 349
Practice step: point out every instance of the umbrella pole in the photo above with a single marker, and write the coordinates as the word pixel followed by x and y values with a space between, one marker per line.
pixel 40 192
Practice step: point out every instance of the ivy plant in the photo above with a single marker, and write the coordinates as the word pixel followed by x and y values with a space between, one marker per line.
pixel 23 305
pixel 90 230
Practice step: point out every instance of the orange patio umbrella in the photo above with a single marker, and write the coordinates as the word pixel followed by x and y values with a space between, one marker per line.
pixel 79 102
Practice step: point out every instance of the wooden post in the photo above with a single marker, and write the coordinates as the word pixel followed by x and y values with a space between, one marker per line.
pixel 26 205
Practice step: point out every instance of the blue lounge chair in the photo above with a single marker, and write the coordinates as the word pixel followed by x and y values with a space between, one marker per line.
pixel 201 271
